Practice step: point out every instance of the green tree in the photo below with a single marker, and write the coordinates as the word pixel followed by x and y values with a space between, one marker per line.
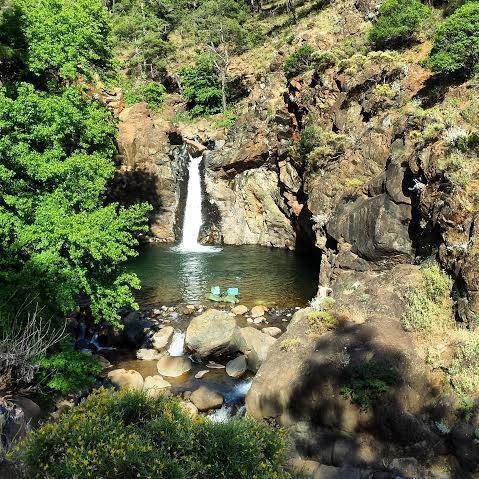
pixel 66 38
pixel 56 236
pixel 201 87
pixel 397 23
pixel 456 43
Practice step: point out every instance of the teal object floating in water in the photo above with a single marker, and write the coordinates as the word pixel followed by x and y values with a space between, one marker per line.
pixel 216 290
pixel 232 292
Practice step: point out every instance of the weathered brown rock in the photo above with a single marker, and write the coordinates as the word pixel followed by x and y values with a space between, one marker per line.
pixel 126 379
pixel 213 332
pixel 205 398
pixel 161 339
pixel 173 366
pixel 155 385
pixel 255 346
pixel 236 367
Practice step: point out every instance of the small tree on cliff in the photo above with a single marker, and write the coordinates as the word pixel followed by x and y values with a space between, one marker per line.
pixel 222 27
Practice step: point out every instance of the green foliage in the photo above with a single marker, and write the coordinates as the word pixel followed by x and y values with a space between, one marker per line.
pixel 465 367
pixel 152 93
pixel 368 382
pixel 65 37
pixel 69 371
pixel 299 61
pixel 456 43
pixel 428 306
pixel 397 23
pixel 318 146
pixel 57 238
pixel 201 87
pixel 128 435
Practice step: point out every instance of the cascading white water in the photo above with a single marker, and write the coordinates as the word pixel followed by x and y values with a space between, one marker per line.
pixel 177 346
pixel 193 212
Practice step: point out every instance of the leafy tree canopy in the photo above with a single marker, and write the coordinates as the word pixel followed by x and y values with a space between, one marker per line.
pixel 397 23
pixel 456 43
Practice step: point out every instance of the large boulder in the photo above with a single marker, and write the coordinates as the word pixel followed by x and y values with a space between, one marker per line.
pixel 205 398
pixel 161 339
pixel 213 332
pixel 255 346
pixel 136 329
pixel 126 379
pixel 173 367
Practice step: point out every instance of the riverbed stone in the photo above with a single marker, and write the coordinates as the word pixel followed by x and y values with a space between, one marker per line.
pixel 155 385
pixel 126 379
pixel 205 398
pixel 161 339
pixel 259 320
pixel 255 346
pixel 236 367
pixel 258 311
pixel 213 332
pixel 201 374
pixel 148 354
pixel 173 366
pixel 240 310
pixel 272 331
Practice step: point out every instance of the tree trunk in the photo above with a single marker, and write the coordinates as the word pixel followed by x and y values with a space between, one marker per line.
pixel 223 90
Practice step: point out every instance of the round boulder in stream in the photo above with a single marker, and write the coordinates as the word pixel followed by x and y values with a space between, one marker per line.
pixel 205 398
pixel 213 332
pixel 161 339
pixel 236 367
pixel 173 367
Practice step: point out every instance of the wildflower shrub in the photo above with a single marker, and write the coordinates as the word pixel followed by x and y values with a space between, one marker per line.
pixel 125 434
pixel 456 43
pixel 397 24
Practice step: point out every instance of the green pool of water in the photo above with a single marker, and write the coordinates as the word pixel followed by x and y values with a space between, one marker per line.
pixel 267 276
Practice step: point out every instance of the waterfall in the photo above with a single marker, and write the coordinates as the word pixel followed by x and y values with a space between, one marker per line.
pixel 193 218
pixel 177 346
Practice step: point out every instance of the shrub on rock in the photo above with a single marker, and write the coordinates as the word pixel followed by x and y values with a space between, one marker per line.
pixel 456 43
pixel 126 434
pixel 397 23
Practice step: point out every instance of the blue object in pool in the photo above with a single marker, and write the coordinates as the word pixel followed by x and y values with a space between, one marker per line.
pixel 215 290
pixel 232 292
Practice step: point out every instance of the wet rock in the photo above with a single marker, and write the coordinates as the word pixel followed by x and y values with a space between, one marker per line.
pixel 255 346
pixel 258 311
pixel 213 365
pixel 126 379
pixel 240 310
pixel 161 339
pixel 272 331
pixel 205 398
pixel 148 354
pixel 201 374
pixel 136 329
pixel 213 332
pixel 259 320
pixel 236 367
pixel 155 385
pixel 173 366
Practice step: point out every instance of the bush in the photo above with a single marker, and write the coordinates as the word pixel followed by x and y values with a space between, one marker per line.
pixel 70 371
pixel 126 434
pixel 397 23
pixel 428 306
pixel 456 43
pixel 299 61
pixel 201 87
pixel 152 93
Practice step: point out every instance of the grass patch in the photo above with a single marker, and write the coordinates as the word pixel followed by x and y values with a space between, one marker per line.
pixel 429 305
pixel 290 344
pixel 368 382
